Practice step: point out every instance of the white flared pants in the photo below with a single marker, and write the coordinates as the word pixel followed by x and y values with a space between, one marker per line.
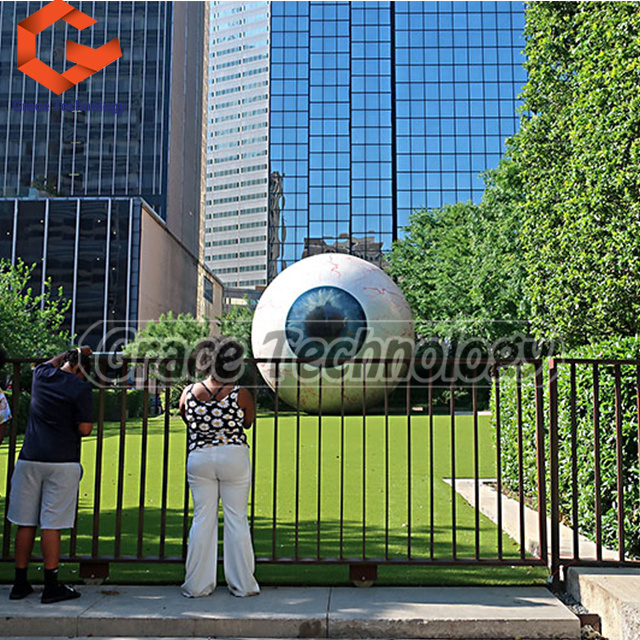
pixel 220 473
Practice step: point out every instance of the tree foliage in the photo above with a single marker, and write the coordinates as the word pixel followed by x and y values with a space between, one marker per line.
pixel 577 155
pixel 459 270
pixel 31 323
pixel 169 339
pixel 235 322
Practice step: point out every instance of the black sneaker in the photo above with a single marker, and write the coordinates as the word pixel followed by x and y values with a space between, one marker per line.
pixel 58 593
pixel 19 592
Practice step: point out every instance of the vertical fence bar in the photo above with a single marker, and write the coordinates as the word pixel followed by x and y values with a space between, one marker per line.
pixel 296 523
pixel 574 465
pixel 596 455
pixel 523 540
pixel 274 501
pixel 409 473
pixel 185 478
pixel 254 446
pixel 185 499
pixel 638 416
pixel 319 496
pixel 386 461
pixel 553 453
pixel 452 418
pixel 95 538
pixel 540 463
pixel 619 463
pixel 342 465
pixel 364 460
pixel 73 538
pixel 117 548
pixel 431 471
pixel 13 436
pixel 165 469
pixel 476 468
pixel 143 457
pixel 498 459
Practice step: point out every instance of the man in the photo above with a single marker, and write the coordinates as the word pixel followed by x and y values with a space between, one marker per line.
pixel 44 485
pixel 5 411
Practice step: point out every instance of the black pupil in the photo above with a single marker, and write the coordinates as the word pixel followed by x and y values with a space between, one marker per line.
pixel 325 322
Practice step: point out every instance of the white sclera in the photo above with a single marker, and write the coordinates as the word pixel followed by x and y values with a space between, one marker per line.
pixel 390 335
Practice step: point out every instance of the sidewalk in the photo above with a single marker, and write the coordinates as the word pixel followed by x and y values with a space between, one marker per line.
pixel 289 612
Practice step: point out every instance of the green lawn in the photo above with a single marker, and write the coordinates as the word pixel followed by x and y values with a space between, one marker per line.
pixel 337 469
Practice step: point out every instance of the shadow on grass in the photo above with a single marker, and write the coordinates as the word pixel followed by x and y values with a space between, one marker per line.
pixel 297 549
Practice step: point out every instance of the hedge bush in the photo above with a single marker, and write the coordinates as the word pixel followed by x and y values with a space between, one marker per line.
pixel 113 402
pixel 627 348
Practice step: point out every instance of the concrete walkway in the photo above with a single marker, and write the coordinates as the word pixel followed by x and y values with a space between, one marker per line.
pixel 313 612
pixel 488 505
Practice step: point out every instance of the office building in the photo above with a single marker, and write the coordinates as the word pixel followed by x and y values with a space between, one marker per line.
pixel 238 143
pixel 102 187
pixel 375 109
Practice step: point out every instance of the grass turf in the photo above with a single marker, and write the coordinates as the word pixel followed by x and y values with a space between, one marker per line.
pixel 320 485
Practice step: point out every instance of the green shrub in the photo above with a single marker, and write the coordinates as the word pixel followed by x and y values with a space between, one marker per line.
pixel 627 348
pixel 113 404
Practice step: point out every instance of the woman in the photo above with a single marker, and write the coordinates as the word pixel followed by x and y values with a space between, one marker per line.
pixel 217 411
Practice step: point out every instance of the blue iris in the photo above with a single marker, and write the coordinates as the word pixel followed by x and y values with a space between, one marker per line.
pixel 326 323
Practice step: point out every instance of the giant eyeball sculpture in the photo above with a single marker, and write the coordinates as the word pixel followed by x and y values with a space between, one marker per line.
pixel 335 334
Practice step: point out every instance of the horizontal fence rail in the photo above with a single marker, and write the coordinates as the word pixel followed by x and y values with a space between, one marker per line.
pixel 435 472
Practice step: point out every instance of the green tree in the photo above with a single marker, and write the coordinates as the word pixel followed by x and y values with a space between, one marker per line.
pixel 31 324
pixel 236 323
pixel 169 339
pixel 458 268
pixel 577 155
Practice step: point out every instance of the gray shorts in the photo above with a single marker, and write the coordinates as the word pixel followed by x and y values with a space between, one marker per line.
pixel 44 494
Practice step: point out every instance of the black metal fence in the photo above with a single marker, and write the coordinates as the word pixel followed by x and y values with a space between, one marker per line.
pixel 415 480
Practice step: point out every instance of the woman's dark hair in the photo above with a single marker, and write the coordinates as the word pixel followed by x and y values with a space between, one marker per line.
pixel 222 358
pixel 75 356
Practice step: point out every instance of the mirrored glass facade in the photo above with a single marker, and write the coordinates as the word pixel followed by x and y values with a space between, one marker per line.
pixel 78 168
pixel 100 152
pixel 87 246
pixel 381 108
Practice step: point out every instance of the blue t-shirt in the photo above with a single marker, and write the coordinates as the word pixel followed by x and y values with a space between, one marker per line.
pixel 59 402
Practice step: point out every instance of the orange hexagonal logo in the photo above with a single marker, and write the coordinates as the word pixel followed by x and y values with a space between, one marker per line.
pixel 87 59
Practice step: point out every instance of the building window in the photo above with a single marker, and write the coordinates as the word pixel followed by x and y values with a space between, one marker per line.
pixel 208 289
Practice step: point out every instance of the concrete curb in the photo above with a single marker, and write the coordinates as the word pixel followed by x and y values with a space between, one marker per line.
pixel 612 593
pixel 312 612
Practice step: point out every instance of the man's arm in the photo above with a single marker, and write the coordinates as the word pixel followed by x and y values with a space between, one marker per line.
pixel 84 411
pixel 2 432
pixel 57 361
pixel 85 428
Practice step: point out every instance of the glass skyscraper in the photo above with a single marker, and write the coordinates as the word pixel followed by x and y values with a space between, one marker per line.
pixel 104 193
pixel 81 153
pixel 375 109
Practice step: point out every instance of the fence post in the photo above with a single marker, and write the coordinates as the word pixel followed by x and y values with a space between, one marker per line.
pixel 553 467
pixel 541 464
